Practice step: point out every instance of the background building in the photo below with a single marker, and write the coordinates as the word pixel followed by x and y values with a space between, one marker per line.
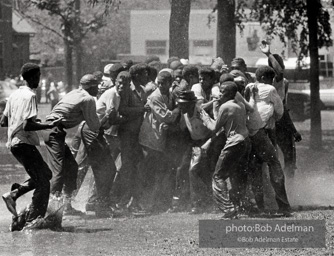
pixel 15 33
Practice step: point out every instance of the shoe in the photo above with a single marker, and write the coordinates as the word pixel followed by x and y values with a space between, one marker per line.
pixel 37 223
pixel 284 213
pixel 10 203
pixel 121 212
pixel 138 211
pixel 90 207
pixel 17 223
pixel 15 186
pixel 231 215
pixel 69 210
pixel 103 211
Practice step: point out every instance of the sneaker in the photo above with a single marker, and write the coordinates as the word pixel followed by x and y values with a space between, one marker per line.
pixel 10 203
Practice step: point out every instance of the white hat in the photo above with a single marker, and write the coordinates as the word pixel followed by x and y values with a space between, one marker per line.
pixel 184 61
pixel 106 71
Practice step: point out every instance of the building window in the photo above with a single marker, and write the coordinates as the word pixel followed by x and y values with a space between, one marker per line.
pixel 156 47
pixel 1 56
pixel 203 48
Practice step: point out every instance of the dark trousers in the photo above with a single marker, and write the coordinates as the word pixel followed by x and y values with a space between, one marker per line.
pixel 155 190
pixel 285 139
pixel 263 151
pixel 128 175
pixel 232 163
pixel 200 174
pixel 61 162
pixel 101 161
pixel 39 174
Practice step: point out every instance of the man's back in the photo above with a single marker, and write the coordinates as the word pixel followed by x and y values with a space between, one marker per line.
pixel 232 119
pixel 75 107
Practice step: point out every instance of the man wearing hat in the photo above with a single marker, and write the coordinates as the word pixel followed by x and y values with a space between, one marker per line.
pixel 199 173
pixel 20 117
pixel 75 107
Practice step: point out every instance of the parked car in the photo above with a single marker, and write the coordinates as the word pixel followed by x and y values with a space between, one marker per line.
pixel 326 97
pixel 299 104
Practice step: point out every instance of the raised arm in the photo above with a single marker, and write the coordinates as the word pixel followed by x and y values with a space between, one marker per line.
pixel 279 70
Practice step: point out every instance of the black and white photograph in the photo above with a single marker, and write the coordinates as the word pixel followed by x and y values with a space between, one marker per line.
pixel 166 127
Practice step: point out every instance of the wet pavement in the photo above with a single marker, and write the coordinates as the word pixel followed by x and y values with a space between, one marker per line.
pixel 164 234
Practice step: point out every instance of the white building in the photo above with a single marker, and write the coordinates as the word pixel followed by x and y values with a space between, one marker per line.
pixel 150 36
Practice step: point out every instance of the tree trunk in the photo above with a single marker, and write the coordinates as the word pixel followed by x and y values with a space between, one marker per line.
pixel 226 30
pixel 179 28
pixel 68 65
pixel 77 44
pixel 316 133
pixel 78 57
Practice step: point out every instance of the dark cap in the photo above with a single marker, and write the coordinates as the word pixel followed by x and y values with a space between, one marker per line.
pixel 186 96
pixel 88 81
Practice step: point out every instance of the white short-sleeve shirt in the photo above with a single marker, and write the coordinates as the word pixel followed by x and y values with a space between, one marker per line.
pixel 21 106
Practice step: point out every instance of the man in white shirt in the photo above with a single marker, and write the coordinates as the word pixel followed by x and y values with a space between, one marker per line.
pixel 20 116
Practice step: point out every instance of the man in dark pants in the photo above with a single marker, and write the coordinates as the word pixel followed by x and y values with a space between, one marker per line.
pixel 263 150
pixel 75 107
pixel 132 107
pixel 232 162
pixel 103 167
pixel 20 116
pixel 286 132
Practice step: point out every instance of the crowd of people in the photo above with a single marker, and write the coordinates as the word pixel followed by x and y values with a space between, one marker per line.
pixel 181 138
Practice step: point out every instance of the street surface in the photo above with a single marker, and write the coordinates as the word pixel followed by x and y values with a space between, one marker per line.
pixel 311 193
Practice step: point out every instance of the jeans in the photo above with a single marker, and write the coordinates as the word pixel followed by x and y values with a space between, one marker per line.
pixel 39 173
pixel 232 163
pixel 263 151
pixel 61 162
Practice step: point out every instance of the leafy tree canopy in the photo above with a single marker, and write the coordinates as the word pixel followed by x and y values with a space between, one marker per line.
pixel 287 19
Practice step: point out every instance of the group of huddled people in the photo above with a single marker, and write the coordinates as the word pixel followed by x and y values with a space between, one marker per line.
pixel 180 138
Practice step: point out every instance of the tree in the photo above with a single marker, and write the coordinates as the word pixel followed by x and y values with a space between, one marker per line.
pixel 179 28
pixel 307 25
pixel 74 27
pixel 226 30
